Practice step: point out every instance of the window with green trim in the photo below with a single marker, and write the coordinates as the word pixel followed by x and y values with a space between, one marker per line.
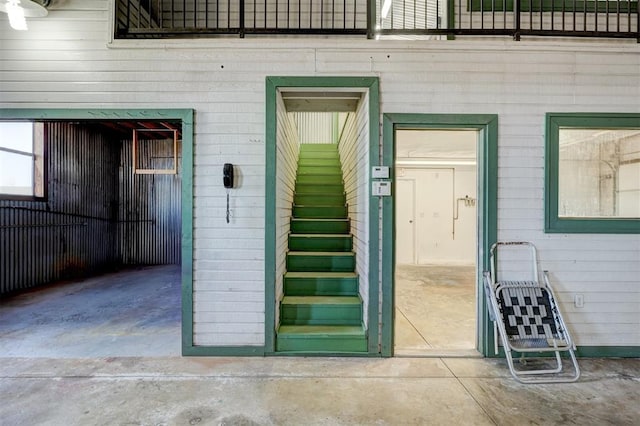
pixel 590 6
pixel 21 159
pixel 592 173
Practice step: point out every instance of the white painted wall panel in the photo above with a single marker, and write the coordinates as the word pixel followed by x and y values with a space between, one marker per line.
pixel 288 151
pixel 65 61
pixel 354 155
pixel 315 127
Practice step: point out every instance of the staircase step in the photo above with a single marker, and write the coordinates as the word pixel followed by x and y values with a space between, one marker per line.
pixel 320 242
pixel 319 180
pixel 320 170
pixel 321 338
pixel 315 147
pixel 329 153
pixel 320 212
pixel 321 284
pixel 303 189
pixel 320 226
pixel 320 261
pixel 321 310
pixel 320 199
pixel 324 162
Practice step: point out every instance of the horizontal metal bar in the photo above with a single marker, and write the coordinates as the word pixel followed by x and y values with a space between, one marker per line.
pixel 16 151
pixel 44 225
pixel 509 32
pixel 82 216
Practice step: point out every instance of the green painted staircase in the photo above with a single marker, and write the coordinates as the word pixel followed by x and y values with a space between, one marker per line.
pixel 321 310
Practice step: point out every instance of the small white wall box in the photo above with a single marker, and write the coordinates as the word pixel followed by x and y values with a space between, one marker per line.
pixel 381 189
pixel 380 172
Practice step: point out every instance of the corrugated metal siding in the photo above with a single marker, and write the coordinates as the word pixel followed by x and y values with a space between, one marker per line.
pixel 97 214
pixel 72 233
pixel 315 127
pixel 149 206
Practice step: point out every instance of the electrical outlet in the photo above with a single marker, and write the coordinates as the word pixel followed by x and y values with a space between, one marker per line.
pixel 578 300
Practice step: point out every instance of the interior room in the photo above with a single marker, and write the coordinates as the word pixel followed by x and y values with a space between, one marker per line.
pixel 436 234
pixel 90 236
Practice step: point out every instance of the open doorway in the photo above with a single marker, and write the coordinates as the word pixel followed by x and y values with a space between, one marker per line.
pixel 436 242
pixel 91 263
pixel 318 259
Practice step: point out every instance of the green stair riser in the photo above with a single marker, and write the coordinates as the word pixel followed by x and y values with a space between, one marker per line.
pixel 320 212
pixel 314 147
pixel 319 200
pixel 321 286
pixel 319 155
pixel 319 180
pixel 314 345
pixel 320 242
pixel 321 314
pixel 319 170
pixel 311 226
pixel 320 189
pixel 323 263
pixel 324 162
pixel 321 344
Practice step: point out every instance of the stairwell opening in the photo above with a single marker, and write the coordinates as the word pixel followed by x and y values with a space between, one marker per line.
pixel 321 251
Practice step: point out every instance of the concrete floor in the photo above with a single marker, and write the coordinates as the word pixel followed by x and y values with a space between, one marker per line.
pixel 435 310
pixel 134 312
pixel 126 370
pixel 308 391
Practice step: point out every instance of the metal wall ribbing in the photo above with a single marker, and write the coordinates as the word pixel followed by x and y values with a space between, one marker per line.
pixel 96 215
pixel 149 207
pixel 73 231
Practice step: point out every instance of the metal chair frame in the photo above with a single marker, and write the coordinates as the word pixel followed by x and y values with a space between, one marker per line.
pixel 529 320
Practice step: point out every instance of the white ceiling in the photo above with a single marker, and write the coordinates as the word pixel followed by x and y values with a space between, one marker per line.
pixel 436 144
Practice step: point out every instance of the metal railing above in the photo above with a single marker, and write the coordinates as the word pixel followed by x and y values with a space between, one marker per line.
pixel 377 18
pixel 175 18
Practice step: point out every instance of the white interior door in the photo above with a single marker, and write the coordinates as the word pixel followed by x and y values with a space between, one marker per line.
pixel 435 215
pixel 405 221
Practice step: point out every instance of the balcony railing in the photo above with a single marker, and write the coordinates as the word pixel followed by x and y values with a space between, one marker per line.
pixel 377 18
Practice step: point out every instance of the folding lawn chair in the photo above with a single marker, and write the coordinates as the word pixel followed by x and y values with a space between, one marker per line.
pixel 526 314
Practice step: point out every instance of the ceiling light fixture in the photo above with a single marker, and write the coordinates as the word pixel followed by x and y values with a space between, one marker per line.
pixel 19 10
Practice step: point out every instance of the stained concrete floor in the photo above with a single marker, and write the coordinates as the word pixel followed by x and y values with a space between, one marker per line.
pixel 308 391
pixel 134 312
pixel 435 310
pixel 48 376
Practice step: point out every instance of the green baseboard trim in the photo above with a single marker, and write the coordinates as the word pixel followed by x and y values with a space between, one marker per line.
pixel 588 352
pixel 608 351
pixel 326 354
pixel 223 351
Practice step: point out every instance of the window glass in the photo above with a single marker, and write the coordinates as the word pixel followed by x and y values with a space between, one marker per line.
pixel 16 174
pixel 22 159
pixel 592 173
pixel 599 173
pixel 17 136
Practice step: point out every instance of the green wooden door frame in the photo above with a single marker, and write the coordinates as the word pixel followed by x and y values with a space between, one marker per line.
pixel 487 126
pixel 273 84
pixel 186 117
